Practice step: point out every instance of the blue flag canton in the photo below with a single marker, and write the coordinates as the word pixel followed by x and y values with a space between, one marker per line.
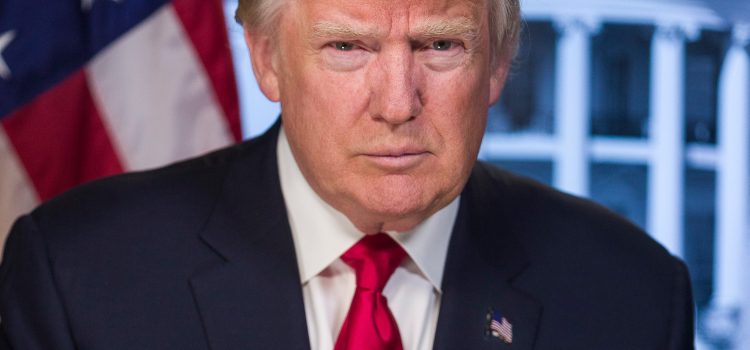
pixel 42 42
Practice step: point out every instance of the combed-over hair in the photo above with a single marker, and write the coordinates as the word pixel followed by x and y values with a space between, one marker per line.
pixel 261 16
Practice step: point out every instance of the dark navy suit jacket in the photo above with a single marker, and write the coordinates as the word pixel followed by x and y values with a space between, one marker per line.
pixel 199 255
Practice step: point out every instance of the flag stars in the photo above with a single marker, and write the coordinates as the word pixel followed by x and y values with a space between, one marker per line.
pixel 5 39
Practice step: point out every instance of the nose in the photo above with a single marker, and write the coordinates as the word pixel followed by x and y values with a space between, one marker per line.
pixel 395 91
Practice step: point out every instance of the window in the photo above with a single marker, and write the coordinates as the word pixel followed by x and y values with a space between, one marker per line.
pixel 621 67
pixel 702 67
pixel 538 170
pixel 621 188
pixel 699 223
pixel 527 103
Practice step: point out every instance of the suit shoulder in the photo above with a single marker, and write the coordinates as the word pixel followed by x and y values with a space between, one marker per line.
pixel 172 198
pixel 594 272
pixel 565 226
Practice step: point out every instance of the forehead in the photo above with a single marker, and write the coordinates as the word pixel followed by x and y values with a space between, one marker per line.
pixel 385 14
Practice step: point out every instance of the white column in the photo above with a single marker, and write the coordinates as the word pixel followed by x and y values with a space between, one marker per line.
pixel 732 201
pixel 732 174
pixel 572 108
pixel 667 138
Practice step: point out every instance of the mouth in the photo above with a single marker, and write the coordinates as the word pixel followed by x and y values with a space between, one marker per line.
pixel 397 159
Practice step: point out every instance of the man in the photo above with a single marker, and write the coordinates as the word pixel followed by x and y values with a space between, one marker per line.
pixel 282 242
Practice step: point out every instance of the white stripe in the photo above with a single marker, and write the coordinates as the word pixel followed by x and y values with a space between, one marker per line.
pixel 155 96
pixel 17 194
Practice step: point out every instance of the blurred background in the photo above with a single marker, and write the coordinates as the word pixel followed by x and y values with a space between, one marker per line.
pixel 641 105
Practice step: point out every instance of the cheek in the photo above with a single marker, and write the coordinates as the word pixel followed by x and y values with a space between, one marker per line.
pixel 459 104
pixel 332 100
pixel 319 101
pixel 320 111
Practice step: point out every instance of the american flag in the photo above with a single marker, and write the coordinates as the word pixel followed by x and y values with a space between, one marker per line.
pixel 90 88
pixel 500 327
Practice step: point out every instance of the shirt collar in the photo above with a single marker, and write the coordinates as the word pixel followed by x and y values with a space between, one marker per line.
pixel 322 234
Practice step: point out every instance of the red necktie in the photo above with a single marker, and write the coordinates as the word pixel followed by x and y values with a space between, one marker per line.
pixel 369 325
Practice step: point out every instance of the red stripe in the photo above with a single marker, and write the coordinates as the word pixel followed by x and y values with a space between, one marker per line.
pixel 60 139
pixel 203 21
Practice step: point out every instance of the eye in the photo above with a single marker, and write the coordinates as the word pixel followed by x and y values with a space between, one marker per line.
pixel 343 56
pixel 343 46
pixel 442 45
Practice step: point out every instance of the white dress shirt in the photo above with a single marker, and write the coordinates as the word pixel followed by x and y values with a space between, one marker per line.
pixel 321 234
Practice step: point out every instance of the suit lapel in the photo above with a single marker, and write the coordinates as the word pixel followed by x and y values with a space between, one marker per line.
pixel 253 298
pixel 483 258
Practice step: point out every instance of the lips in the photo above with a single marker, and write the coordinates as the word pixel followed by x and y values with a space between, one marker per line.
pixel 395 154
pixel 400 158
pixel 397 151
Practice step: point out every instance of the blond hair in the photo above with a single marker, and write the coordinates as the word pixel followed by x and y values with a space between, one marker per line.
pixel 504 15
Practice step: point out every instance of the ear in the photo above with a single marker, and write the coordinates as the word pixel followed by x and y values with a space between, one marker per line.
pixel 262 56
pixel 497 79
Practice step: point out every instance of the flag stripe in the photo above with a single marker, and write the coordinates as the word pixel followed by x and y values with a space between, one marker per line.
pixel 117 86
pixel 165 89
pixel 203 22
pixel 60 140
pixel 18 195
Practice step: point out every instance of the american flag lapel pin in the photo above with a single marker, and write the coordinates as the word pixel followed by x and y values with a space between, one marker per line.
pixel 499 327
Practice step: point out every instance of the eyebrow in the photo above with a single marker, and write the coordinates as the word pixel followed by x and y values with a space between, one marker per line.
pixel 332 29
pixel 463 27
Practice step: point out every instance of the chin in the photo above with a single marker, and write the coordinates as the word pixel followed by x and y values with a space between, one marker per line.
pixel 403 203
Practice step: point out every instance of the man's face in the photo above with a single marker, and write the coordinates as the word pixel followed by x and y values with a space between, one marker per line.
pixel 384 103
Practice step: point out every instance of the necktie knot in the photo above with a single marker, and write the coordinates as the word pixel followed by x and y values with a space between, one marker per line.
pixel 374 259
pixel 369 324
